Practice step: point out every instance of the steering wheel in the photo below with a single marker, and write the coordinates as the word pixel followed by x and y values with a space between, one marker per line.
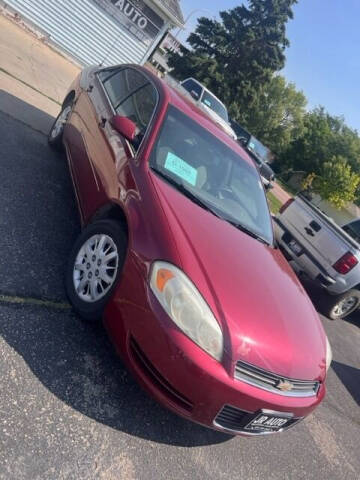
pixel 225 192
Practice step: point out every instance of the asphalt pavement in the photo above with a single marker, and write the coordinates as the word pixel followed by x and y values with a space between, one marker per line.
pixel 68 407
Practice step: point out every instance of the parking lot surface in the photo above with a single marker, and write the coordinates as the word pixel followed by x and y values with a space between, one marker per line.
pixel 68 407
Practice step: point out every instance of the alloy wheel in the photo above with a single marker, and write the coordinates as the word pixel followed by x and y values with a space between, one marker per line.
pixel 60 122
pixel 345 306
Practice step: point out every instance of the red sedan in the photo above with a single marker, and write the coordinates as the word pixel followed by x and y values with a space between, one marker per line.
pixel 177 256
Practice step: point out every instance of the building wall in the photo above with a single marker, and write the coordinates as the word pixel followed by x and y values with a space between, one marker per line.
pixel 104 32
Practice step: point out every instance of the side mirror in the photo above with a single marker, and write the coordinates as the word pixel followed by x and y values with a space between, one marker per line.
pixel 124 126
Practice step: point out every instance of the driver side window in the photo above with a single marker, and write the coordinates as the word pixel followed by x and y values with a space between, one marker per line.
pixel 131 95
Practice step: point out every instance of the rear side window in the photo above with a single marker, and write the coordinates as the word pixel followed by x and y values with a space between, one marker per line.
pixel 192 87
pixel 131 95
pixel 116 84
pixel 353 229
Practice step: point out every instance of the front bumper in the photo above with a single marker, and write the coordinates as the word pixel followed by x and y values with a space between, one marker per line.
pixel 180 375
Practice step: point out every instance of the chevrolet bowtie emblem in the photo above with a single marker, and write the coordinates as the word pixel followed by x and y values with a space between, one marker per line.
pixel 284 386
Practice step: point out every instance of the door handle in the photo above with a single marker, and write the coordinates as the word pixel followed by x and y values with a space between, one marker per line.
pixel 309 232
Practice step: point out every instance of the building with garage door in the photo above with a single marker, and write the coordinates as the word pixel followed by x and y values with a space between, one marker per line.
pixel 104 32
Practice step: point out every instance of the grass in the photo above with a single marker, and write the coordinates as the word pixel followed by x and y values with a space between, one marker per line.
pixel 290 190
pixel 274 203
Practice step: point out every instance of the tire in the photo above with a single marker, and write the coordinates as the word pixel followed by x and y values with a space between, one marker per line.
pixel 91 284
pixel 340 306
pixel 55 136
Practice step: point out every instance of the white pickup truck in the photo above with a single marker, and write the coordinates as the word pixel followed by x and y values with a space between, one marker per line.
pixel 329 254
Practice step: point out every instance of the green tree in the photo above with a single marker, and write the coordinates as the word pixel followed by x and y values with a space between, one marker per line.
pixel 337 183
pixel 277 116
pixel 324 137
pixel 236 56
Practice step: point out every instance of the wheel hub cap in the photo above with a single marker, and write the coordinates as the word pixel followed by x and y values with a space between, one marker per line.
pixel 60 122
pixel 345 306
pixel 95 268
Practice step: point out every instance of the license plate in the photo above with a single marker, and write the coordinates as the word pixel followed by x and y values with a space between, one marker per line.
pixel 269 422
pixel 295 247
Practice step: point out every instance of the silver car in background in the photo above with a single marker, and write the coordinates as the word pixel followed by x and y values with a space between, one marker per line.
pixel 208 102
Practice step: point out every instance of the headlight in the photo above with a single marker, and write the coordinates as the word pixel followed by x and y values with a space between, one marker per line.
pixel 186 307
pixel 328 354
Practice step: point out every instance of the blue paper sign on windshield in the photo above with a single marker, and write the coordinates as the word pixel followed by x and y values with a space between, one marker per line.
pixel 182 169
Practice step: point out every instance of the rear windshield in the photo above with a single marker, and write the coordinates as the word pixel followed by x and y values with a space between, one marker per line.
pixel 193 158
pixel 212 102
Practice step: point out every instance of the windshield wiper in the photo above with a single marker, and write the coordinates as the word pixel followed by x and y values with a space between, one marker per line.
pixel 181 187
pixel 249 232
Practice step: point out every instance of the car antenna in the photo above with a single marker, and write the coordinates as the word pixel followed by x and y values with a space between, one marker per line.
pixel 108 52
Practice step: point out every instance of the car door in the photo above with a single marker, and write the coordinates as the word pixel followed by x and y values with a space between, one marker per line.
pixel 85 142
pixel 100 153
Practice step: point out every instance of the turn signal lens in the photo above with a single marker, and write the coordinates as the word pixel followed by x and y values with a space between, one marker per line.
pixel 162 276
pixel 346 263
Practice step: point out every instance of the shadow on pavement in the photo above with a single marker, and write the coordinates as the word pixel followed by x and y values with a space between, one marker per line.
pixel 39 220
pixel 78 365
pixel 350 377
pixel 318 296
pixel 37 228
pixel 26 113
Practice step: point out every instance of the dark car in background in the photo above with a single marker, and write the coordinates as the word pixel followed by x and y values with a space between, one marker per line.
pixel 258 152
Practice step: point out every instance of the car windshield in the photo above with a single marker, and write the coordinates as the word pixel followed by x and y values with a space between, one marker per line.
pixel 198 163
pixel 259 149
pixel 212 102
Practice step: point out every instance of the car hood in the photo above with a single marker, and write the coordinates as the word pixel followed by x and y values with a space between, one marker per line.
pixel 265 314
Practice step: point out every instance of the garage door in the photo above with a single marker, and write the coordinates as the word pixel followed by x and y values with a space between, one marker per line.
pixel 83 29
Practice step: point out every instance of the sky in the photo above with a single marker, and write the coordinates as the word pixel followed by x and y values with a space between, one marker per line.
pixel 324 55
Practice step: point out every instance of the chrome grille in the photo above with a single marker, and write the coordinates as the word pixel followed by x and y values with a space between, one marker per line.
pixel 275 383
pixel 231 418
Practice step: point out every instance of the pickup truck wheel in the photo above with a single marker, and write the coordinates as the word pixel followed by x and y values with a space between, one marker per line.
pixel 57 129
pixel 94 267
pixel 342 305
